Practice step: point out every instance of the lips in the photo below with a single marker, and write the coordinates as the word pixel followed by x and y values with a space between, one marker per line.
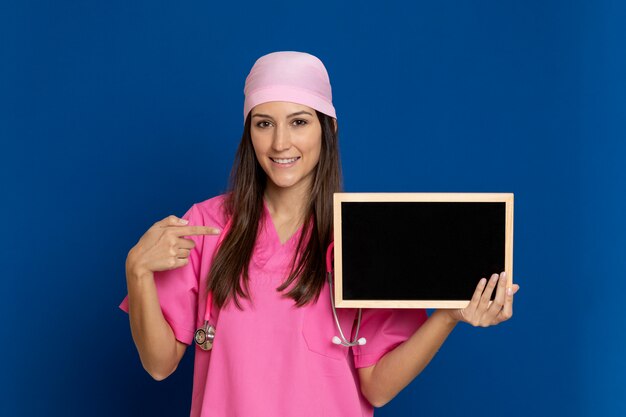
pixel 285 161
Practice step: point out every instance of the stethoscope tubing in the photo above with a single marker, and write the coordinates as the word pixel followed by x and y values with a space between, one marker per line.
pixel 205 335
pixel 341 340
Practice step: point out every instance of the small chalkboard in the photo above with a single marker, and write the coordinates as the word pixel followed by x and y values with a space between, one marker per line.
pixel 419 250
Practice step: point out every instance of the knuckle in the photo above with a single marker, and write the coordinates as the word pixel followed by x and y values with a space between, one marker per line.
pixel 171 262
pixel 166 221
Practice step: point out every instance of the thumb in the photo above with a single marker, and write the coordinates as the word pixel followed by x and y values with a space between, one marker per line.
pixel 171 220
pixel 177 221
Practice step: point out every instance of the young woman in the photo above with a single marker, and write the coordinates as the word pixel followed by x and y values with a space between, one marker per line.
pixel 258 254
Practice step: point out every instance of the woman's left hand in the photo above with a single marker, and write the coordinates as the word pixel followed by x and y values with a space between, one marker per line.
pixel 479 312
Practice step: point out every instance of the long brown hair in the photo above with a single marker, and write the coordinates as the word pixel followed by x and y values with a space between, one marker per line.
pixel 244 205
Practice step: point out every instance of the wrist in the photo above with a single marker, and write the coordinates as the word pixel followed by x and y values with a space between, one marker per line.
pixel 136 275
pixel 135 270
pixel 448 315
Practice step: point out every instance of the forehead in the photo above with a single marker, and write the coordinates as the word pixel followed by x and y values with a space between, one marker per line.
pixel 280 108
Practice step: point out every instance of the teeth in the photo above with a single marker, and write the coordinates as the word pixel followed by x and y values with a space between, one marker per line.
pixel 284 161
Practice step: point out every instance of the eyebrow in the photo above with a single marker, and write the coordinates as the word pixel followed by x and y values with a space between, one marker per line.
pixel 291 115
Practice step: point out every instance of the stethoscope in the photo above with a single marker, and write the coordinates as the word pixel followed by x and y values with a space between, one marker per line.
pixel 205 335
pixel 341 339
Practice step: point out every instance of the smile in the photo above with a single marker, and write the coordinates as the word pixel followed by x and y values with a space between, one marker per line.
pixel 285 161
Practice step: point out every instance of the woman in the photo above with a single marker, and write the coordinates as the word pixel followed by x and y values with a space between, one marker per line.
pixel 258 252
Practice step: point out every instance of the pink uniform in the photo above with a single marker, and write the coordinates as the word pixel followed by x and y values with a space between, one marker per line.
pixel 272 358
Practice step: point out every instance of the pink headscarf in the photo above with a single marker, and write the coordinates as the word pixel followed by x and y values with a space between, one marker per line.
pixel 292 76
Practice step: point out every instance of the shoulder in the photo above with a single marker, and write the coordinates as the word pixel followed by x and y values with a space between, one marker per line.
pixel 210 212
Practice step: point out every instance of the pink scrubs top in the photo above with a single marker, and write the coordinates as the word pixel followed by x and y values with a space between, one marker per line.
pixel 272 358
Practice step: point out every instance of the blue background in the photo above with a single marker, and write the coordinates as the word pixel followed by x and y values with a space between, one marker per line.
pixel 116 114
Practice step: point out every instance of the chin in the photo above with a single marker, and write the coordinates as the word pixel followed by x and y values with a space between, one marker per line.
pixel 288 181
pixel 284 183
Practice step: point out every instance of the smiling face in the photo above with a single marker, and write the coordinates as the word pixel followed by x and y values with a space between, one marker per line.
pixel 287 140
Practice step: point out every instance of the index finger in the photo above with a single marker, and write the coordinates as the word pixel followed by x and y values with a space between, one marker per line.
pixel 477 293
pixel 195 230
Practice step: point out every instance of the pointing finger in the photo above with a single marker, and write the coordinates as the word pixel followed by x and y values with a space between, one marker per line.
pixel 196 230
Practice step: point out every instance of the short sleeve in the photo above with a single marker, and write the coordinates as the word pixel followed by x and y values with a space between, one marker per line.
pixel 177 289
pixel 384 329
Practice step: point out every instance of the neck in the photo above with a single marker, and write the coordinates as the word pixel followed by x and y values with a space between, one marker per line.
pixel 291 203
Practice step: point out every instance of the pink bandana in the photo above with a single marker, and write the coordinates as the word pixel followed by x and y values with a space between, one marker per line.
pixel 292 76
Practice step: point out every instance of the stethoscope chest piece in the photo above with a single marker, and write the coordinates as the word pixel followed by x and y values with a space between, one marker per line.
pixel 204 336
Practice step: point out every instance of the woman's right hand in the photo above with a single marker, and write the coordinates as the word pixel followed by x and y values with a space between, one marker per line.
pixel 162 247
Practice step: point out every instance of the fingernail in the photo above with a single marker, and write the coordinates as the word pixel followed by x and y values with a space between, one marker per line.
pixel 183 221
pixel 509 291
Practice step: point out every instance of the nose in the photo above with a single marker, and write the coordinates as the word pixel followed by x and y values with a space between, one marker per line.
pixel 282 139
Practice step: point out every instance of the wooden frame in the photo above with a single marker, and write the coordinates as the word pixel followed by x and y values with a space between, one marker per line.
pixel 340 198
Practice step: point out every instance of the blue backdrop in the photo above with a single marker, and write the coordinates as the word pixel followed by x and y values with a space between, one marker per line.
pixel 116 114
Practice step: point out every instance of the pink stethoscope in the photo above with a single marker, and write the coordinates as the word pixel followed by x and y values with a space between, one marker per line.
pixel 205 335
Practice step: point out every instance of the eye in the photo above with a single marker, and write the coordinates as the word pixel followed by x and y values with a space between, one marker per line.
pixel 300 122
pixel 262 124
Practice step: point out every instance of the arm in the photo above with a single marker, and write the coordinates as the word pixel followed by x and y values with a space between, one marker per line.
pixel 161 248
pixel 159 351
pixel 395 370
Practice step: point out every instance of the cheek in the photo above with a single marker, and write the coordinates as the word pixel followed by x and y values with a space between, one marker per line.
pixel 317 150
pixel 257 146
pixel 316 154
pixel 315 147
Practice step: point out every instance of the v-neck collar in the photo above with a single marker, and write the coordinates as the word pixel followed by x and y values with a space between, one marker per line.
pixel 268 251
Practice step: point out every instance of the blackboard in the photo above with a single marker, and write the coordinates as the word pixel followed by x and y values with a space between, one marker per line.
pixel 419 250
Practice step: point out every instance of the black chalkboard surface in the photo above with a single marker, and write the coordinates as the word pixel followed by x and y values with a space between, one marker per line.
pixel 419 250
